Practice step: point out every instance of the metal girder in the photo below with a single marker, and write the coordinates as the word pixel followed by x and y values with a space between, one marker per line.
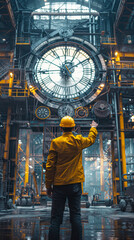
pixel 66 13
pixel 124 12
pixel 11 13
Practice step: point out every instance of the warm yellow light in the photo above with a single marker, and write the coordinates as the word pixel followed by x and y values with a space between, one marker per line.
pixel 11 74
pixel 132 118
pixel 116 53
pixel 30 86
pixel 102 85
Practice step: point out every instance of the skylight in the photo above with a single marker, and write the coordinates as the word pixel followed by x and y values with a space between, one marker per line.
pixel 63 7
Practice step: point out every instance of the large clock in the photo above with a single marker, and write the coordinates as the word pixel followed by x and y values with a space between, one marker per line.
pixel 65 72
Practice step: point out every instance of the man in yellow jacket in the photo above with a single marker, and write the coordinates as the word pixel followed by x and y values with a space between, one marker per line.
pixel 64 175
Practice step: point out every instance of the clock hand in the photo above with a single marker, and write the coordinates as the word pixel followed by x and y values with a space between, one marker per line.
pixel 67 69
pixel 80 63
pixel 70 73
pixel 73 78
pixel 55 53
pixel 47 71
pixel 52 63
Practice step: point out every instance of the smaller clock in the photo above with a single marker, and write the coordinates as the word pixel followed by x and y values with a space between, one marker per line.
pixel 66 110
pixel 42 112
pixel 81 112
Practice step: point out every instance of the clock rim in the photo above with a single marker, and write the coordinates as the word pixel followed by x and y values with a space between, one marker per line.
pixel 79 108
pixel 62 106
pixel 42 107
pixel 85 98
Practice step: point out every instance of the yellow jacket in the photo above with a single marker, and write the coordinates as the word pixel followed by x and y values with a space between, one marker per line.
pixel 64 163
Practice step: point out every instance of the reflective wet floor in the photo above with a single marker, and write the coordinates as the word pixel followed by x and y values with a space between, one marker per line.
pixel 99 223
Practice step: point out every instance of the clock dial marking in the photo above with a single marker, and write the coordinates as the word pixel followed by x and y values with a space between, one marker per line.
pixel 42 112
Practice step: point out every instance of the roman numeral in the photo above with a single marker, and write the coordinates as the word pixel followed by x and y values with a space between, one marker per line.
pixel 74 54
pixel 85 62
pixel 55 54
pixel 68 91
pixel 56 89
pixel 46 80
pixel 84 81
pixel 87 71
pixel 77 89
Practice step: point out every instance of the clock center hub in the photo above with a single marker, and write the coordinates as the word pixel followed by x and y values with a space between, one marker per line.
pixel 67 70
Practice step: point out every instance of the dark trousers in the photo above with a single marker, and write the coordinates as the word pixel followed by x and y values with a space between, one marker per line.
pixel 72 192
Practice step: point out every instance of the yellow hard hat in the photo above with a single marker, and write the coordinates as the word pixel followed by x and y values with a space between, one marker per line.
pixel 67 122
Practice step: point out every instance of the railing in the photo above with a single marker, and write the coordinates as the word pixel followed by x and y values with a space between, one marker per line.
pixel 108 41
pixel 4 92
pixel 129 125
pixel 121 65
pixel 4 67
pixel 23 41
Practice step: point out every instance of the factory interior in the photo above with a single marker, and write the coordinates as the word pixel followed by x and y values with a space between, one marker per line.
pixel 61 58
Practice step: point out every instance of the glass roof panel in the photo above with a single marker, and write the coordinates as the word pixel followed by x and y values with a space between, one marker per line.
pixel 64 7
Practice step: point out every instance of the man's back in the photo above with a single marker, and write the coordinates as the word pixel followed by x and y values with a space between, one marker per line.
pixel 66 155
pixel 64 174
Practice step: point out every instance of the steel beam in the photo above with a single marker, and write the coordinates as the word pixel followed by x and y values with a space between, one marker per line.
pixel 117 135
pixel 101 163
pixel 6 150
pixel 11 13
pixel 122 135
pixel 65 13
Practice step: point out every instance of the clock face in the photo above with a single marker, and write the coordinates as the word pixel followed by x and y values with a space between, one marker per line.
pixel 65 72
pixel 66 110
pixel 81 112
pixel 42 112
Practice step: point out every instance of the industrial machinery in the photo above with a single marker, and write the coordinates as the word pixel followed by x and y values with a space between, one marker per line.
pixel 26 195
pixel 101 202
pixel 128 198
pixel 84 200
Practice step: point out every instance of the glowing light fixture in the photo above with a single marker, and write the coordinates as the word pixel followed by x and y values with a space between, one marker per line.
pixel 102 85
pixel 11 74
pixel 116 53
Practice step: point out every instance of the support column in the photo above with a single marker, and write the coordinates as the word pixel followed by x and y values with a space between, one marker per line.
pixel 6 151
pixel 120 190
pixel 101 163
pixel 122 135
pixel 10 84
pixel 13 158
pixel 113 170
pixel 27 159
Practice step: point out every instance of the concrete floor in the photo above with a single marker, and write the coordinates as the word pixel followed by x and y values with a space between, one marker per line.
pixel 99 223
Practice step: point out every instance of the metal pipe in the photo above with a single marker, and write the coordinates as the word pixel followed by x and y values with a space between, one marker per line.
pixel 113 170
pixel 27 159
pixel 117 132
pixel 94 39
pixel 15 168
pixel 90 30
pixel 121 88
pixel 50 19
pixel 101 163
pixel 66 13
pixel 122 134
